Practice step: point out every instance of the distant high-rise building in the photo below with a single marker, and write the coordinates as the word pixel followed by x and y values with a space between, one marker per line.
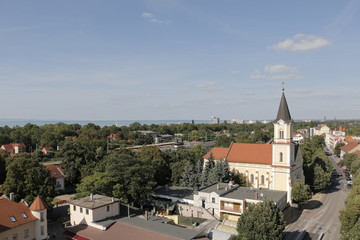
pixel 214 120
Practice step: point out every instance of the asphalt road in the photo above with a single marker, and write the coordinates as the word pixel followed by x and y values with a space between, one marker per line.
pixel 323 219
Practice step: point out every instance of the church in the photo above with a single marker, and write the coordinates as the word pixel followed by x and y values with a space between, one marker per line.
pixel 274 166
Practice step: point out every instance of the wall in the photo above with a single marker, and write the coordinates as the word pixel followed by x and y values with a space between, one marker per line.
pixel 20 231
pixel 192 211
pixel 76 217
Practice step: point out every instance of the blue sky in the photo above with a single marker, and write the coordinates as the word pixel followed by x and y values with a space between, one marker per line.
pixel 178 59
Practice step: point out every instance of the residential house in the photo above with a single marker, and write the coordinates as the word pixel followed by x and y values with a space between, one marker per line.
pixel 351 147
pixel 14 148
pixel 57 171
pixel 18 221
pixel 98 217
pixel 46 151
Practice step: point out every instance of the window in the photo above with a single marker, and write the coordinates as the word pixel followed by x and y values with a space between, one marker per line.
pixel 213 200
pixel 281 134
pixel 87 211
pixel 26 233
pixel 262 179
pixel 281 157
pixel 12 219
pixel 107 208
pixel 252 178
pixel 23 215
pixel 81 210
pixel 41 230
pixel 74 208
pixel 41 217
pixel 15 237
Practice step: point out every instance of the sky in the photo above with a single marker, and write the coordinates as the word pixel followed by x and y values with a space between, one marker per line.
pixel 178 59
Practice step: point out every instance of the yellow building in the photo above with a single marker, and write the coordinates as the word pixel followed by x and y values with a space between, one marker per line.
pixel 18 221
pixel 274 166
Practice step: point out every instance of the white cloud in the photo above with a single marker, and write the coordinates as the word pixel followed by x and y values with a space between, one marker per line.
pixel 153 19
pixel 302 42
pixel 280 69
pixel 235 72
pixel 207 86
pixel 147 15
pixel 275 77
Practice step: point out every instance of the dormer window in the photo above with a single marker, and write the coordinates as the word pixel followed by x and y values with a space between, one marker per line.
pixel 12 219
pixel 23 215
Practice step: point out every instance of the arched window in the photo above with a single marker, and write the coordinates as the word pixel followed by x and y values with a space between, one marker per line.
pixel 252 178
pixel 281 157
pixel 262 179
pixel 281 134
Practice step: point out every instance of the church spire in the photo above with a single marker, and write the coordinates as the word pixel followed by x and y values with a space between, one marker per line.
pixel 283 113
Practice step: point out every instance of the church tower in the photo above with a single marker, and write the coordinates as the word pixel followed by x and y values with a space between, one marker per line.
pixel 283 125
pixel 283 149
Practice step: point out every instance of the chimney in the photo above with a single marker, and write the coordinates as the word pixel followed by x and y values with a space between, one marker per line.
pixel 112 199
pixel 91 197
pixel 12 196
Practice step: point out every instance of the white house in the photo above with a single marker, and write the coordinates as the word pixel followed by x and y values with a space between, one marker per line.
pixel 94 208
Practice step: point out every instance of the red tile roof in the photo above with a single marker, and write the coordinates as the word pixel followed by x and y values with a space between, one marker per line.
pixel 38 205
pixel 349 146
pixel 56 170
pixel 250 153
pixel 9 209
pixel 217 153
pixel 349 139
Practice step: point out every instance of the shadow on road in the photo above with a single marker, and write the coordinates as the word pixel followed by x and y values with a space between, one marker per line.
pixel 313 204
pixel 297 235
pixel 291 214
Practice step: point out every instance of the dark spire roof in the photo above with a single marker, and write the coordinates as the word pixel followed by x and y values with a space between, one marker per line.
pixel 283 112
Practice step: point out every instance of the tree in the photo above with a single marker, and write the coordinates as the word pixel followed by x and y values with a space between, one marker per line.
pixel 223 141
pixel 2 166
pixel 28 179
pixel 300 192
pixel 98 183
pixel 81 157
pixel 337 149
pixel 261 221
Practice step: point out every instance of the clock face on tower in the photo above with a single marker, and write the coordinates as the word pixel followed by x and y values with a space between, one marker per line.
pixel 281 123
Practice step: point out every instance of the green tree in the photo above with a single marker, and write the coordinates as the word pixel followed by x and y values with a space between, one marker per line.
pixel 28 179
pixel 97 183
pixel 238 178
pixel 2 167
pixel 354 233
pixel 337 149
pixel 81 156
pixel 300 192
pixel 223 141
pixel 261 221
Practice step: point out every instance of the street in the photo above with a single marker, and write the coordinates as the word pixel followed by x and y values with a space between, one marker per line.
pixel 323 218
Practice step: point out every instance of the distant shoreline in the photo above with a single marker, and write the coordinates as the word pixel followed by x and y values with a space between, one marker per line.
pixel 102 123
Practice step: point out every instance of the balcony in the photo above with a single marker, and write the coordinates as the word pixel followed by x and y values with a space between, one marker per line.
pixel 236 209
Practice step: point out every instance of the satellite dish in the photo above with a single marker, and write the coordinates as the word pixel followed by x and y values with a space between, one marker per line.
pixel 261 195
